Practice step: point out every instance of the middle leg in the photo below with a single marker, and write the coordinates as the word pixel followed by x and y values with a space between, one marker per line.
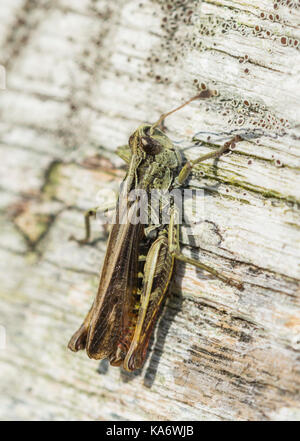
pixel 187 168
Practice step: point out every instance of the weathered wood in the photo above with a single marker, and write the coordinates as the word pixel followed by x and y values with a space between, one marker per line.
pixel 80 77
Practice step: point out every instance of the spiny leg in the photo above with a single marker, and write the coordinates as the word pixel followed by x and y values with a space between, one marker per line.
pixel 87 222
pixel 150 301
pixel 174 247
pixel 186 169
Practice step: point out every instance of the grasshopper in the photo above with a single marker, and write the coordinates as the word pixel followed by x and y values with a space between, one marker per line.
pixel 138 266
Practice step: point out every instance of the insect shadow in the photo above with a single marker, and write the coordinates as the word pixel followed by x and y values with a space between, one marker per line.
pixel 170 309
pixel 192 242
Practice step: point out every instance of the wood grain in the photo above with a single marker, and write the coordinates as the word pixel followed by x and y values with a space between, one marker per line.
pixel 79 80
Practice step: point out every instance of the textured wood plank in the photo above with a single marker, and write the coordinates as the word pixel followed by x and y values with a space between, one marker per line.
pixel 80 77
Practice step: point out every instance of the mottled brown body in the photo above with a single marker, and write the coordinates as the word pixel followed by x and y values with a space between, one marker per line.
pixel 139 260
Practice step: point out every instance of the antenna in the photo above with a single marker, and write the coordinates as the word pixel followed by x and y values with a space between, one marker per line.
pixel 202 95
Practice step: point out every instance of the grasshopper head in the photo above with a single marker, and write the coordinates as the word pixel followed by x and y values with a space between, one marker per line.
pixel 149 140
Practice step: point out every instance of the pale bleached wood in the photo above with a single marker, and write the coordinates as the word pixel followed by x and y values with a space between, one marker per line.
pixel 81 76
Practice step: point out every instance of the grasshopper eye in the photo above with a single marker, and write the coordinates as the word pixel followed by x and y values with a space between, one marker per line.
pixel 150 145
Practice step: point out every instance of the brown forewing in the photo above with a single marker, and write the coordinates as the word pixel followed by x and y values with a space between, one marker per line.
pixel 110 312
